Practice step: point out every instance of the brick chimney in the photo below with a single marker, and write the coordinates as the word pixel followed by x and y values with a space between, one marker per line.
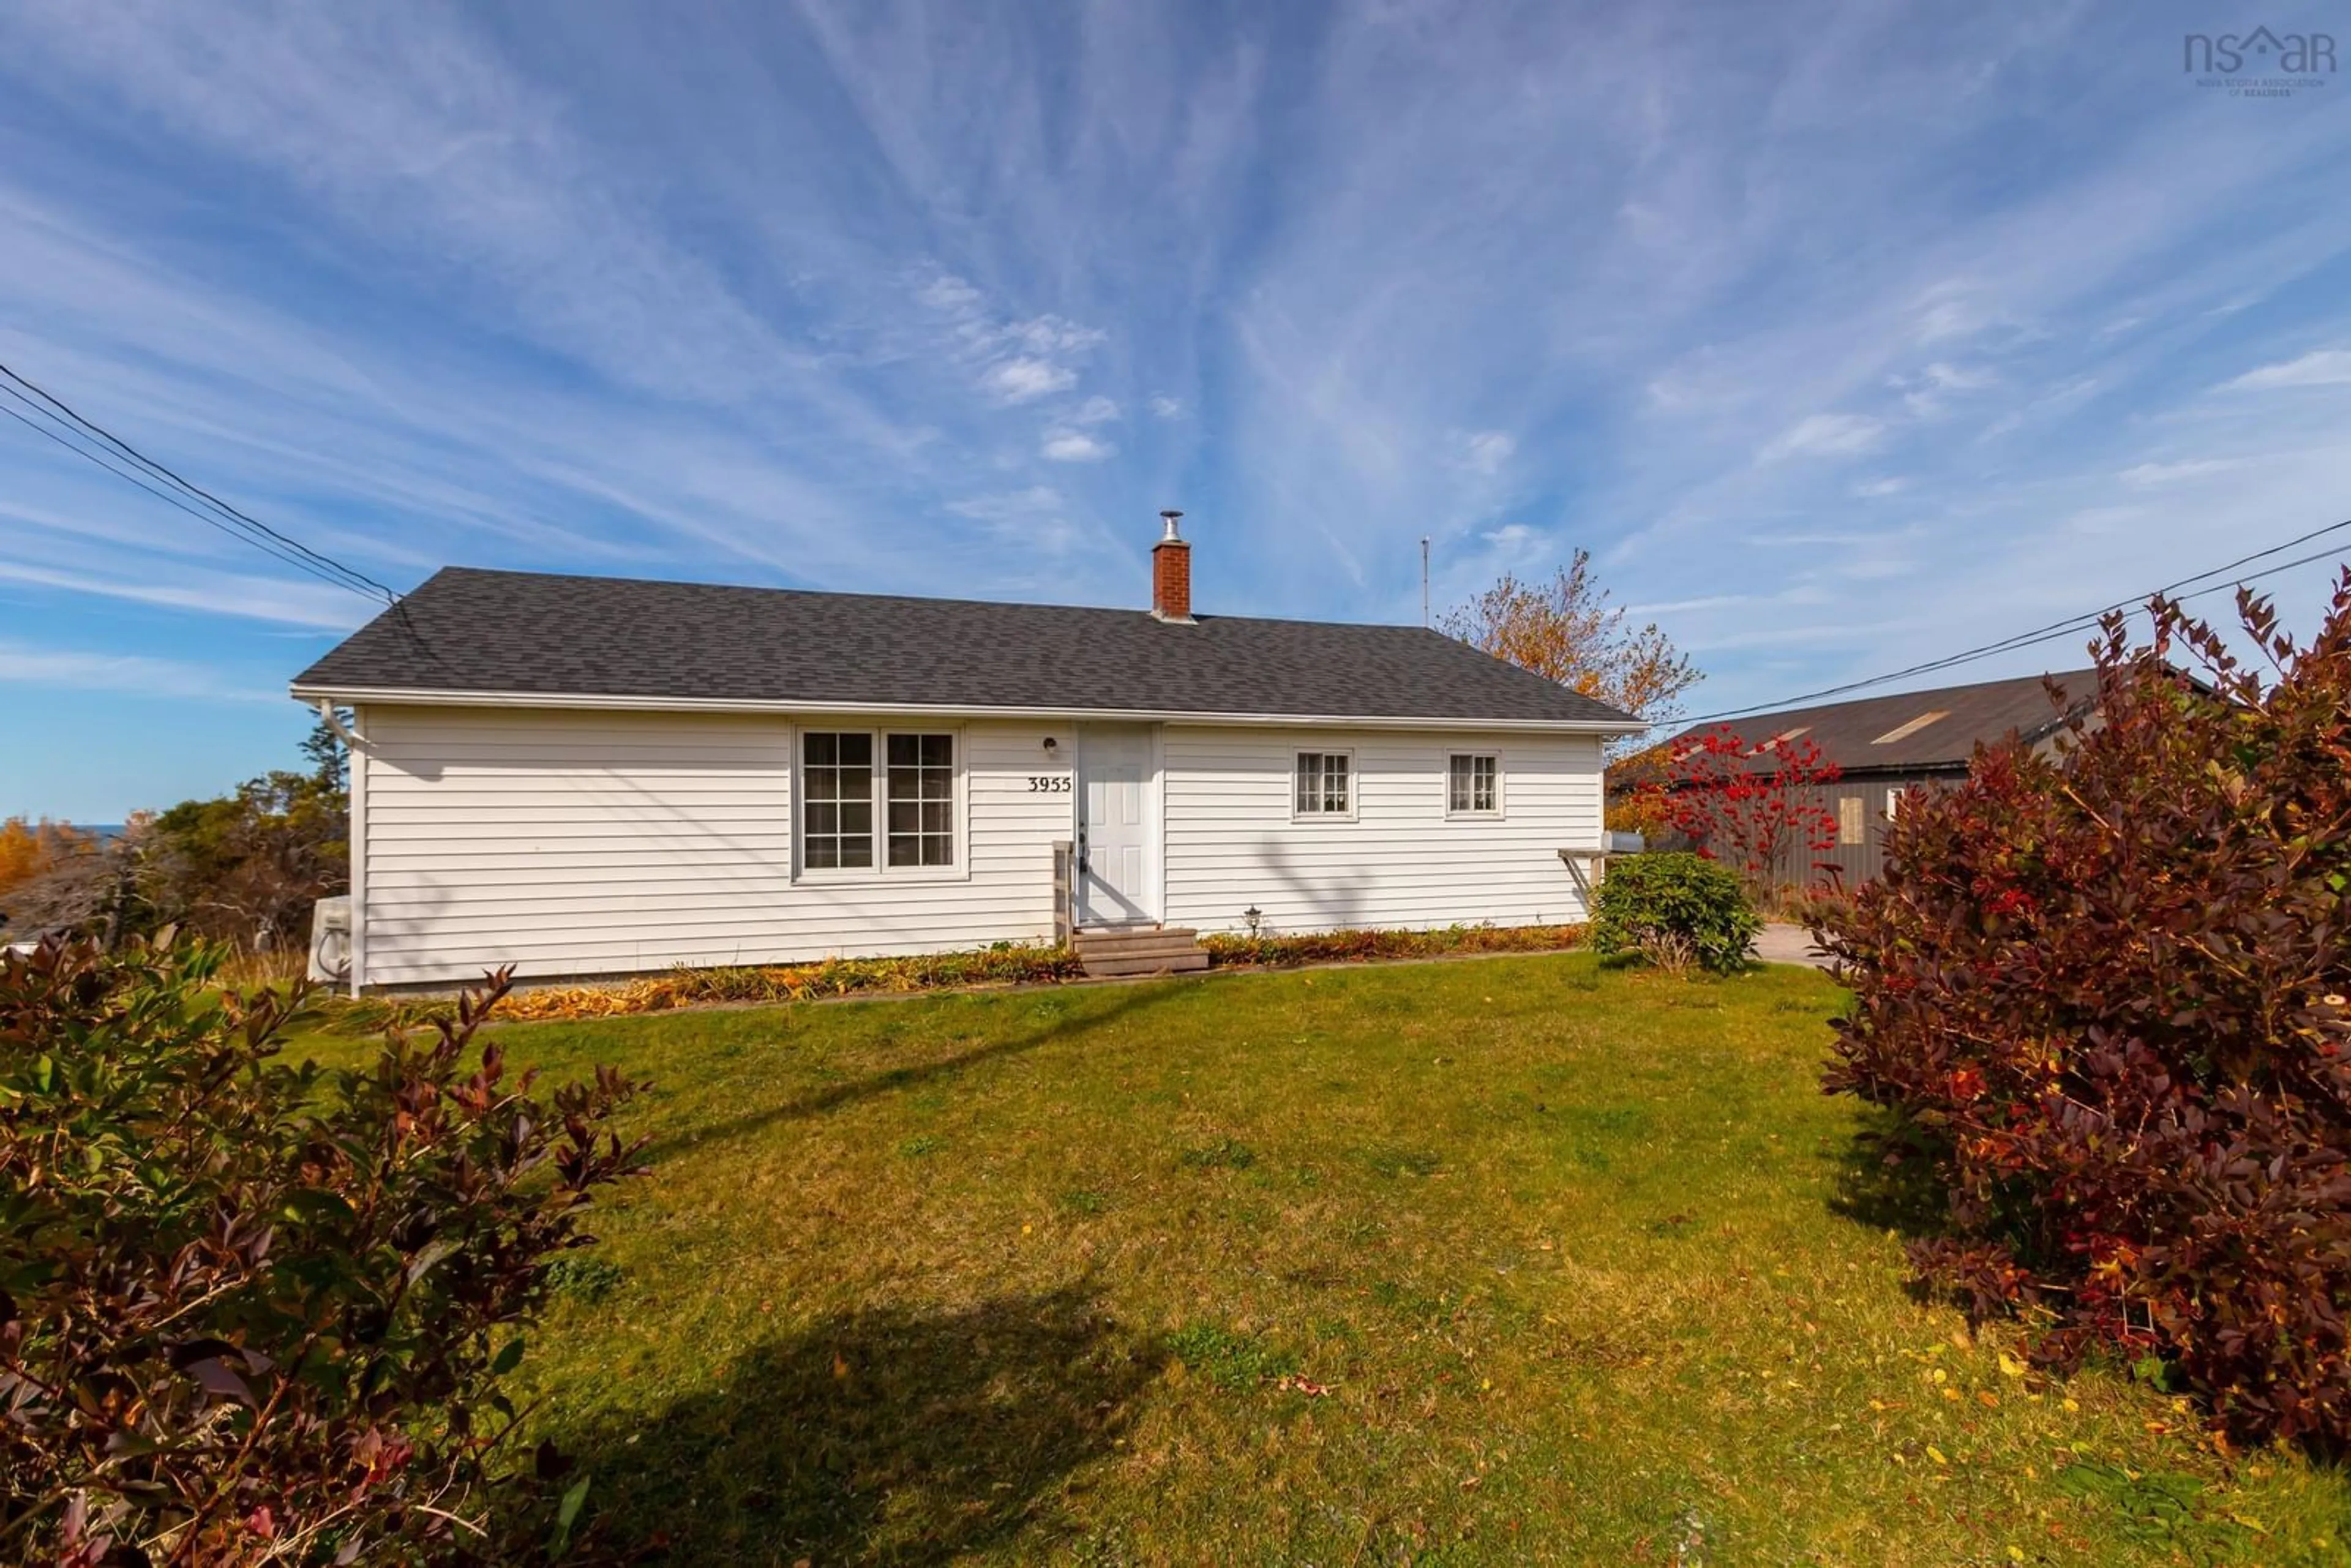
pixel 1171 574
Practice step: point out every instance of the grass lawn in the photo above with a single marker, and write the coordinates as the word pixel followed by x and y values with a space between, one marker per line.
pixel 1514 1259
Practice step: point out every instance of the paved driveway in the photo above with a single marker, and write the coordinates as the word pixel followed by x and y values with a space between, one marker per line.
pixel 1781 943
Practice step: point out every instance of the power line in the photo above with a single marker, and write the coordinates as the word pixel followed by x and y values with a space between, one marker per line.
pixel 168 498
pixel 250 526
pixel 2056 629
pixel 219 515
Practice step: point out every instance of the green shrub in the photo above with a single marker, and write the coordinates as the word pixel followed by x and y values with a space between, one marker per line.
pixel 1674 910
pixel 252 1312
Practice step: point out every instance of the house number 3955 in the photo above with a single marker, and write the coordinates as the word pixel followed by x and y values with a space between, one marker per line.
pixel 1049 783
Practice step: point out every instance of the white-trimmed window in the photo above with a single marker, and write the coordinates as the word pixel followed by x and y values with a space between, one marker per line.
pixel 1894 803
pixel 858 816
pixel 1473 784
pixel 1326 784
pixel 837 799
pixel 921 799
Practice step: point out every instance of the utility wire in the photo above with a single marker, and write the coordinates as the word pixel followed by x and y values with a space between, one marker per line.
pixel 252 527
pixel 167 498
pixel 2056 629
pixel 227 518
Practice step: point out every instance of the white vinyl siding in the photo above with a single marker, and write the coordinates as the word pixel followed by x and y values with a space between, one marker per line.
pixel 1234 841
pixel 573 842
pixel 579 842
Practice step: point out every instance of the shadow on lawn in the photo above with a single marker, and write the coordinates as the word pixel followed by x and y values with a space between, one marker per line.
pixel 913 1075
pixel 887 1435
pixel 1885 1179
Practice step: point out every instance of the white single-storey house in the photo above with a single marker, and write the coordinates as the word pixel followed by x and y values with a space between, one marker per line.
pixel 585 776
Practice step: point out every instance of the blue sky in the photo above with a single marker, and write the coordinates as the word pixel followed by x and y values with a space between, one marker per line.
pixel 1843 335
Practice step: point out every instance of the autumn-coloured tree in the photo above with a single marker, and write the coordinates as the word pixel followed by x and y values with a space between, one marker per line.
pixel 1637 791
pixel 1747 804
pixel 244 868
pixel 30 848
pixel 1567 630
pixel 93 892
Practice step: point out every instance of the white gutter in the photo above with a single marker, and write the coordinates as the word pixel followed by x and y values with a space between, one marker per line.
pixel 354 695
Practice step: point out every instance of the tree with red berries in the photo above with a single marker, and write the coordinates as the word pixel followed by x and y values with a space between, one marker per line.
pixel 1747 804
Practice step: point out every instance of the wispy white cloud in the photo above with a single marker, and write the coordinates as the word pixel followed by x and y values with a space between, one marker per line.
pixel 2319 368
pixel 1679 606
pixel 1930 393
pixel 132 674
pixel 1486 451
pixel 2141 474
pixel 1827 435
pixel 1022 379
pixel 1064 444
pixel 1017 360
pixel 847 295
pixel 1033 521
pixel 207 593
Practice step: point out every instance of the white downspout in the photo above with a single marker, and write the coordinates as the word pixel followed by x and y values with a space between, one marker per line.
pixel 359 749
pixel 333 720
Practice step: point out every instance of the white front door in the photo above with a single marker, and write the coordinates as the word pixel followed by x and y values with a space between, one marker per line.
pixel 1117 828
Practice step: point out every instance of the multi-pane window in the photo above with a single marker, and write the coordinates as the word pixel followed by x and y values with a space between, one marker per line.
pixel 921 800
pixel 837 800
pixel 844 795
pixel 1471 785
pixel 1324 784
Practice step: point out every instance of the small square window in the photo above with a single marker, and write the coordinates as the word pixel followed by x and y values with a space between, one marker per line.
pixel 1325 784
pixel 1473 785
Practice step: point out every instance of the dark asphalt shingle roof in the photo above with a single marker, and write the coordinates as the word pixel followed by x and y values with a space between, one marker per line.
pixel 465 630
pixel 1848 734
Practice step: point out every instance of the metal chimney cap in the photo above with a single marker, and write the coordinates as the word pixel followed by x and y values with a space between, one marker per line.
pixel 1170 517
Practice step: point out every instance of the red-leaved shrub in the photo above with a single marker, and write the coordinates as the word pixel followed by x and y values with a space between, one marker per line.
pixel 2105 991
pixel 253 1312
